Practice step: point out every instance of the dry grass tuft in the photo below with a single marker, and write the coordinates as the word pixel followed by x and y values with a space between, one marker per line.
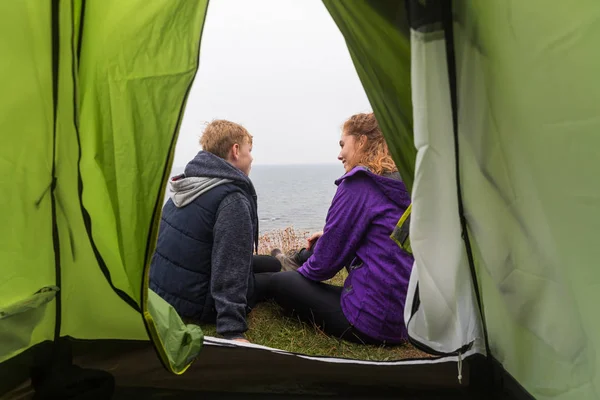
pixel 286 240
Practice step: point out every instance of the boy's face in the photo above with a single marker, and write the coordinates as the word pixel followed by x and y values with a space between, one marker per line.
pixel 242 157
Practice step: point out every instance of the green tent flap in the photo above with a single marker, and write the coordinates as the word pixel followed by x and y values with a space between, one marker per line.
pixel 26 250
pixel 179 343
pixel 530 135
pixel 19 320
pixel 120 74
pixel 134 79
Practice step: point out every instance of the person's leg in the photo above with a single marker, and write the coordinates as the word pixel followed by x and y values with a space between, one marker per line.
pixel 315 302
pixel 303 255
pixel 262 263
pixel 261 290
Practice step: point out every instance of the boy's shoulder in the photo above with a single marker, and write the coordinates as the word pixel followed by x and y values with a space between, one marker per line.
pixel 234 197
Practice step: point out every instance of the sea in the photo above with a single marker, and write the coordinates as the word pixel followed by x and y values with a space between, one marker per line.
pixel 295 196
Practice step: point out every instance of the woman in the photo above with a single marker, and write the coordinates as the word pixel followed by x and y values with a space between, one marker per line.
pixel 367 205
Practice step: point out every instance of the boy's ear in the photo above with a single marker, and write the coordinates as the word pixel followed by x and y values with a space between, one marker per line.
pixel 235 151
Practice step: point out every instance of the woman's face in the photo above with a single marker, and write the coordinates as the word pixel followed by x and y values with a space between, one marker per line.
pixel 349 154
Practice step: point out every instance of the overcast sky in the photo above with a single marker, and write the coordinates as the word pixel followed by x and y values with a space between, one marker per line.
pixel 281 69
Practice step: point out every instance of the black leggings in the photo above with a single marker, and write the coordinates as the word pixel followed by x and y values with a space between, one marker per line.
pixel 263 267
pixel 262 264
pixel 315 302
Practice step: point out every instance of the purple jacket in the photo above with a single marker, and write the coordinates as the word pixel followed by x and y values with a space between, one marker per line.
pixel 362 215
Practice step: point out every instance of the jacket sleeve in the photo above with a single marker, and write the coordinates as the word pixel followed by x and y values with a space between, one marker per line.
pixel 231 265
pixel 346 225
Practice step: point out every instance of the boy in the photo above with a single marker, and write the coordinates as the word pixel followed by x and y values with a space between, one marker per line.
pixel 202 264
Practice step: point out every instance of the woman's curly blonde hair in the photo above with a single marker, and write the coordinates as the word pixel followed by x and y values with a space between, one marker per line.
pixel 375 154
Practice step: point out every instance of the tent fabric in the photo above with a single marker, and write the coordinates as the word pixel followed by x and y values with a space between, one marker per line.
pixel 123 72
pixel 176 342
pixel 441 310
pixel 26 251
pixel 134 80
pixel 17 320
pixel 529 133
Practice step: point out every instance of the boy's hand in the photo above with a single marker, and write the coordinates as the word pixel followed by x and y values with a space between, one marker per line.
pixel 312 240
pixel 241 340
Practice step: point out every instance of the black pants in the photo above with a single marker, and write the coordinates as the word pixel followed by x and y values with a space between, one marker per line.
pixel 265 264
pixel 263 267
pixel 315 302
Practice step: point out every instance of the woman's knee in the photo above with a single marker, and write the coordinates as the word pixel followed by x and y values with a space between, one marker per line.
pixel 290 289
pixel 263 263
pixel 287 279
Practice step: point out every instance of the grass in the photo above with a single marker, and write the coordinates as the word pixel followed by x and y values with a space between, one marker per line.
pixel 269 326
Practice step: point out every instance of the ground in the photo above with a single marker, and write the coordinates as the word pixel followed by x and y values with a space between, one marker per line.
pixel 268 326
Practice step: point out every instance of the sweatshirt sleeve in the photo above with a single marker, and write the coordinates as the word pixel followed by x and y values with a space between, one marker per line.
pixel 345 227
pixel 231 265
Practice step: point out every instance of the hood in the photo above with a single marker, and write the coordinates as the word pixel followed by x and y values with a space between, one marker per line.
pixel 391 184
pixel 202 174
pixel 185 190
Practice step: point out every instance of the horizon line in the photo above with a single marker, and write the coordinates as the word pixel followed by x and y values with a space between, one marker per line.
pixel 282 164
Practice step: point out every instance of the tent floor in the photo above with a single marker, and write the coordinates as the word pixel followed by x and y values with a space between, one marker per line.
pixel 225 372
pixel 133 393
pixel 251 370
pixel 127 393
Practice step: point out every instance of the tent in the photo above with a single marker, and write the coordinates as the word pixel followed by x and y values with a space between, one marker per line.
pixel 489 107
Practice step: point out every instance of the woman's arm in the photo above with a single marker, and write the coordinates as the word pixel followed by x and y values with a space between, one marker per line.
pixel 347 222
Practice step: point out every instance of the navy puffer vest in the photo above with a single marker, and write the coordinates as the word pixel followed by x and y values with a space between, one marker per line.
pixel 181 265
